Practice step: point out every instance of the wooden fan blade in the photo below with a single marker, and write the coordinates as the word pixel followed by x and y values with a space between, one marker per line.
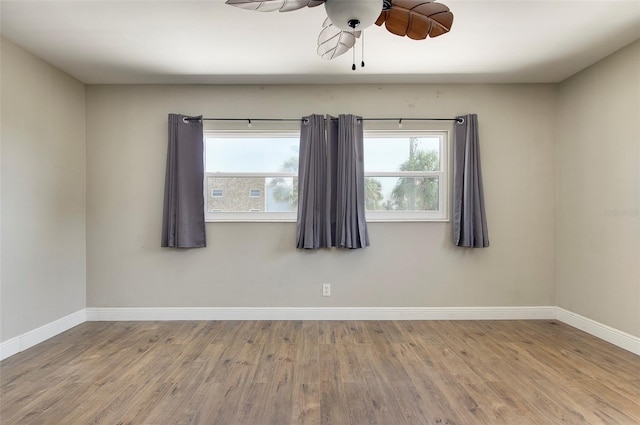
pixel 273 5
pixel 417 19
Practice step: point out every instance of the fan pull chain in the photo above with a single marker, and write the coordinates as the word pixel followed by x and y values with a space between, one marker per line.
pixel 353 49
pixel 362 63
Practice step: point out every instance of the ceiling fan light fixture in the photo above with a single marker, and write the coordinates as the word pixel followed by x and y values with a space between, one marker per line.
pixel 353 15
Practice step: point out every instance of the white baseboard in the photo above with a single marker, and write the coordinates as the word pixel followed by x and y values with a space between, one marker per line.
pixel 29 339
pixel 321 313
pixel 599 330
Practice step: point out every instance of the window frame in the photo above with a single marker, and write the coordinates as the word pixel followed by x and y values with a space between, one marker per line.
pixel 442 215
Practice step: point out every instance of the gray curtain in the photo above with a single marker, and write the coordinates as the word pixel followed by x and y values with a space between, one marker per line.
pixel 331 183
pixel 469 216
pixel 345 139
pixel 183 218
pixel 313 225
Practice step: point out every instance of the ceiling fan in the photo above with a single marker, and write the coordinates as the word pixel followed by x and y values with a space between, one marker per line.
pixel 416 19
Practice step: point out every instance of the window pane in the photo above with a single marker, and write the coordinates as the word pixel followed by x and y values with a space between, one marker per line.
pixel 279 194
pixel 282 194
pixel 402 193
pixel 251 154
pixel 402 153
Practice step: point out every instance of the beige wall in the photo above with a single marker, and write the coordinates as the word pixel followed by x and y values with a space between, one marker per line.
pixel 578 140
pixel 598 217
pixel 408 264
pixel 43 193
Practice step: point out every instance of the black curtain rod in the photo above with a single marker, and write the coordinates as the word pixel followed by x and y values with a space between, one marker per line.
pixel 250 120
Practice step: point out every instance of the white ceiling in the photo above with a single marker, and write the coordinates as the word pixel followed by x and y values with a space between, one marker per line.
pixel 144 41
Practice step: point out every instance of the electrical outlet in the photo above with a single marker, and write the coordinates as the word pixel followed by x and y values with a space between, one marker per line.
pixel 326 289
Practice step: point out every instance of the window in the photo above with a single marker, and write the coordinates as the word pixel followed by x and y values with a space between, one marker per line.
pixel 405 175
pixel 262 165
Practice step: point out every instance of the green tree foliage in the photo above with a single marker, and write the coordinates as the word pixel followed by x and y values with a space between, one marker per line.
pixel 373 193
pixel 281 187
pixel 416 193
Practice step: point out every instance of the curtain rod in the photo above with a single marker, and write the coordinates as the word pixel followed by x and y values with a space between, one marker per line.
pixel 250 120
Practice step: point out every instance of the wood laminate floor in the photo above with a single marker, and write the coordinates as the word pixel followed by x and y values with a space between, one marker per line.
pixel 327 372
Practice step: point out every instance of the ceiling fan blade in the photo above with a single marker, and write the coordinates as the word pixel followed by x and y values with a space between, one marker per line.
pixel 273 5
pixel 416 19
pixel 333 42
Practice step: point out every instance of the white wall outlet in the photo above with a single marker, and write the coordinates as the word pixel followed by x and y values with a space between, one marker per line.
pixel 326 289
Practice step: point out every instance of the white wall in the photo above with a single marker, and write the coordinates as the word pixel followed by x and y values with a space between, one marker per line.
pixel 43 193
pixel 408 264
pixel 598 217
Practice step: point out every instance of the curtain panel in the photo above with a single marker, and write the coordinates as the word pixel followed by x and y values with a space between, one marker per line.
pixel 331 183
pixel 313 224
pixel 469 216
pixel 183 215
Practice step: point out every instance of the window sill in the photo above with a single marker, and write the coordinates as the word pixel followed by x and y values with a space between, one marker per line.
pixel 283 220
pixel 254 220
pixel 408 220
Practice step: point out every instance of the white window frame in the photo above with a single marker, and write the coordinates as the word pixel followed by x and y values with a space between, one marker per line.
pixel 251 195
pixel 442 214
pixel 250 216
